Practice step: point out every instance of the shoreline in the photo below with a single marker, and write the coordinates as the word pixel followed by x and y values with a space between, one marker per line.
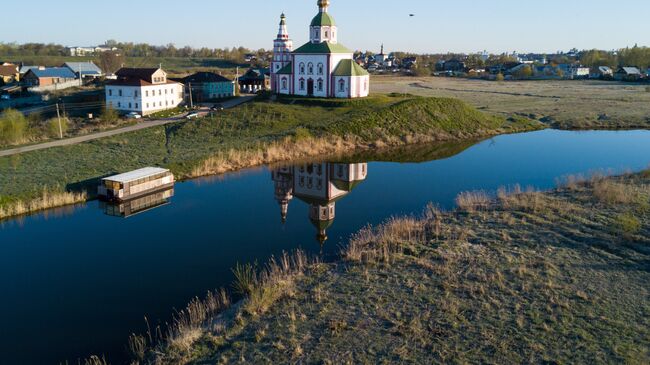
pixel 514 249
pixel 382 122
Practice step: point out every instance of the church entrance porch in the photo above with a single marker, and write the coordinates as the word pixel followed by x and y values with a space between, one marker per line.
pixel 310 87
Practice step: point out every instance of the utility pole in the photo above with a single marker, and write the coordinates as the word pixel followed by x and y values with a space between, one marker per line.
pixel 189 85
pixel 58 116
pixel 237 81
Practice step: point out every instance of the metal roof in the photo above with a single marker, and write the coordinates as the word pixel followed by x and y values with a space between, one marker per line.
pixel 137 174
pixel 322 48
pixel 349 68
pixel 86 68
pixel 61 72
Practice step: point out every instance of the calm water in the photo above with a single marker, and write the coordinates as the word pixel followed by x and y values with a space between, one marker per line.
pixel 78 281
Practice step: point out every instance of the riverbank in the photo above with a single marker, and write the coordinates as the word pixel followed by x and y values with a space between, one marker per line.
pixel 259 133
pixel 522 276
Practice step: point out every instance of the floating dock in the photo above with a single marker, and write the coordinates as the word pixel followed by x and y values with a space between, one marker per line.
pixel 135 184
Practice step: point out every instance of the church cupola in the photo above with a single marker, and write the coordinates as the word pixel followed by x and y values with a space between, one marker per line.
pixel 323 28
pixel 282 48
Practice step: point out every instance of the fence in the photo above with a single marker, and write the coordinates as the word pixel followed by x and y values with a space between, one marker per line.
pixel 55 87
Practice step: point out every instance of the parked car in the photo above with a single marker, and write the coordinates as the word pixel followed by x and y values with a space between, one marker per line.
pixel 192 115
pixel 133 115
pixel 5 97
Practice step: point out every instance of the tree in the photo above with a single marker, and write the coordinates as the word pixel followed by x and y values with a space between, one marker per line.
pixel 524 72
pixel 13 127
pixel 110 61
pixel 422 71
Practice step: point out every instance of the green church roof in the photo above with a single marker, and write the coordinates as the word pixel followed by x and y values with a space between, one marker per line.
pixel 322 48
pixel 286 70
pixel 349 68
pixel 323 19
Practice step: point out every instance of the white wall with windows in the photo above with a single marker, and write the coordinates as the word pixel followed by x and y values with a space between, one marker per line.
pixel 144 99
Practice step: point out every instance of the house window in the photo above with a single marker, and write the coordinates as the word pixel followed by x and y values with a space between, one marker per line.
pixel 120 92
pixel 129 105
pixel 147 105
pixel 146 93
pixel 136 93
pixel 110 92
pixel 310 68
pixel 165 91
pixel 136 105
pixel 341 85
pixel 320 85
pixel 159 92
pixel 119 105
pixel 320 68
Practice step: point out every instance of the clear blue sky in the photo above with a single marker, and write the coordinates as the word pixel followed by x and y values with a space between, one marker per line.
pixel 438 26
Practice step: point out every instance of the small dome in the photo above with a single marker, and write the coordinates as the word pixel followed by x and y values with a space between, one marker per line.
pixel 323 20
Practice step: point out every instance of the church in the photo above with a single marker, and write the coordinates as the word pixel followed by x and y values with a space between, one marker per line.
pixel 322 67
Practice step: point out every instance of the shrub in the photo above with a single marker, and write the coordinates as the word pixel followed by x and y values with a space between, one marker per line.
pixel 13 127
pixel 110 115
pixel 52 126
pixel 302 134
pixel 647 89
pixel 500 77
pixel 627 225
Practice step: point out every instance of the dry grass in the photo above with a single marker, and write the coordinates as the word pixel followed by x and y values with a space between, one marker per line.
pixel 47 200
pixel 473 201
pixel 379 244
pixel 287 149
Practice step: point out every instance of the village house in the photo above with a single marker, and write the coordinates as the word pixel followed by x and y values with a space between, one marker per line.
pixel 255 80
pixel 628 74
pixel 9 74
pixel 48 76
pixel 143 91
pixel 88 51
pixel 84 69
pixel 602 72
pixel 320 68
pixel 209 85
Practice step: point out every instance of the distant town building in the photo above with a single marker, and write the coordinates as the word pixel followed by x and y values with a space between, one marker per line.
pixel 602 72
pixel 143 90
pixel 209 85
pixel 88 51
pixel 84 69
pixel 9 74
pixel 48 76
pixel 320 68
pixel 255 80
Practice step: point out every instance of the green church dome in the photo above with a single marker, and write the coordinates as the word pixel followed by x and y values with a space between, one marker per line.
pixel 323 19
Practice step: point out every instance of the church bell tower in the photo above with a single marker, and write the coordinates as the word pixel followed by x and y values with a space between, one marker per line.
pixel 282 48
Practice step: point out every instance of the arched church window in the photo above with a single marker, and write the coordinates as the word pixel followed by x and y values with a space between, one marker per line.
pixel 320 68
pixel 310 68
pixel 284 83
pixel 341 85
pixel 320 85
pixel 326 34
pixel 302 84
pixel 302 68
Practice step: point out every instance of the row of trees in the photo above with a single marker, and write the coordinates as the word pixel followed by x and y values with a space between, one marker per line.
pixel 130 49
pixel 635 56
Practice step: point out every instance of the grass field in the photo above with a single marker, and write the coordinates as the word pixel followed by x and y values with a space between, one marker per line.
pixel 561 104
pixel 518 277
pixel 257 133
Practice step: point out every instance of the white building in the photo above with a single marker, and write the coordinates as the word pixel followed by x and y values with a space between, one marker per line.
pixel 143 90
pixel 320 68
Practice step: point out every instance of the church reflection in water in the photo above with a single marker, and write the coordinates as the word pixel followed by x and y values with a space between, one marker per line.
pixel 139 205
pixel 320 185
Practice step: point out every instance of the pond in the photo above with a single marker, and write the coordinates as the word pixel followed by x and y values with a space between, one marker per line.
pixel 77 281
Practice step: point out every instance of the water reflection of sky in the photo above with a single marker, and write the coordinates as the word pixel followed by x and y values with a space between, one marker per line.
pixel 83 280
